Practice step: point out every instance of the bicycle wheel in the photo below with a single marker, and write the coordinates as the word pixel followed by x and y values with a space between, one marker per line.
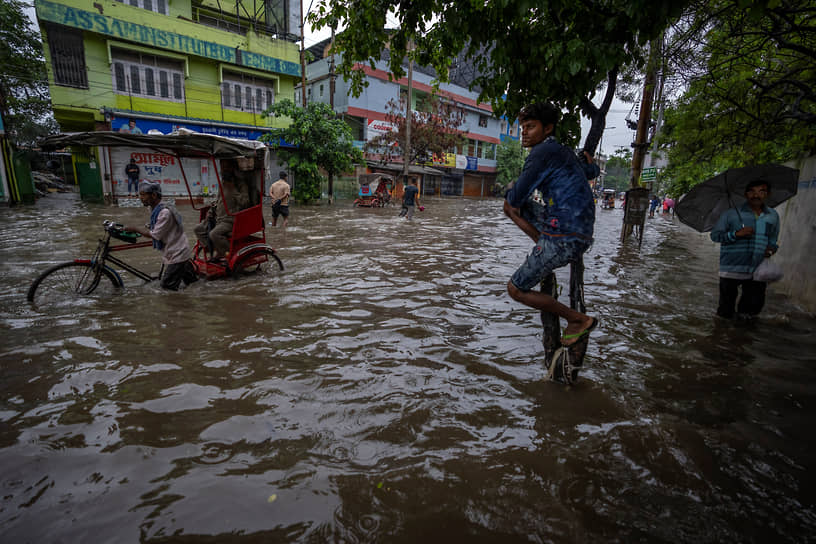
pixel 70 280
pixel 261 262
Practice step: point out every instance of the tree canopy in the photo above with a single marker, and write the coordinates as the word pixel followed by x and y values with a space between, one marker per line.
pixel 560 50
pixel 25 103
pixel 751 87
pixel 321 140
pixel 434 131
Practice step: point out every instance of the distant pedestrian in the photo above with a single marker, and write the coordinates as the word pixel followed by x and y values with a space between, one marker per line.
pixel 409 199
pixel 653 204
pixel 746 236
pixel 668 205
pixel 132 173
pixel 279 192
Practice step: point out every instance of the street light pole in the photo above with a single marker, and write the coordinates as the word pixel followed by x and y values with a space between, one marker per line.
pixel 302 55
pixel 600 153
pixel 600 145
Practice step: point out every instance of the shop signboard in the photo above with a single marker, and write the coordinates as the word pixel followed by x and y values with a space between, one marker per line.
pixel 378 128
pixel 648 174
pixel 164 169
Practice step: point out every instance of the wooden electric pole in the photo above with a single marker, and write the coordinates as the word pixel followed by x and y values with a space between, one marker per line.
pixel 634 212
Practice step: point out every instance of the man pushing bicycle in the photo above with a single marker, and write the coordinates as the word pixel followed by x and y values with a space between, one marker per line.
pixel 168 236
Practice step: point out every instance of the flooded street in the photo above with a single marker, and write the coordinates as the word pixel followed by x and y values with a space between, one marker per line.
pixel 385 388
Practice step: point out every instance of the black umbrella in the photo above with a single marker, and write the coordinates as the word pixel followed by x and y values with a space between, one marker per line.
pixel 702 206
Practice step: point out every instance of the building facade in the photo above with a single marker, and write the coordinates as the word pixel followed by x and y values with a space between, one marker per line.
pixel 467 171
pixel 142 65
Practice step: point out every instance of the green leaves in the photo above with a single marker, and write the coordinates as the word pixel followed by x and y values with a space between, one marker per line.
pixel 323 141
pixel 754 100
pixel 24 98
pixel 553 50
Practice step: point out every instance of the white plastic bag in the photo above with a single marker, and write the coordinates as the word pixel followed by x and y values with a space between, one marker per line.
pixel 768 271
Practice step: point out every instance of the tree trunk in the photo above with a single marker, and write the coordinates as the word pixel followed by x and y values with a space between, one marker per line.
pixel 597 115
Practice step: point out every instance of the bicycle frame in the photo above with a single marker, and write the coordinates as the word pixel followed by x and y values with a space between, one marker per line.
pixel 102 256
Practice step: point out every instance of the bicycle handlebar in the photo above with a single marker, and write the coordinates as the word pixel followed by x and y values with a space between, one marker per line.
pixel 116 230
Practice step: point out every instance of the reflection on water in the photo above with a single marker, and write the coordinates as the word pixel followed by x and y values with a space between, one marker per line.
pixel 385 388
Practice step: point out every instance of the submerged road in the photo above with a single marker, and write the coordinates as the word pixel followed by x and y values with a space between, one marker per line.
pixel 384 388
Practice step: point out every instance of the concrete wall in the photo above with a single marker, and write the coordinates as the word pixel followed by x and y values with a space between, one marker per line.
pixel 380 90
pixel 797 239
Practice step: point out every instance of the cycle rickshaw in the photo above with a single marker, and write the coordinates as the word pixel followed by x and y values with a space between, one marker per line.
pixel 248 250
pixel 608 199
pixel 373 192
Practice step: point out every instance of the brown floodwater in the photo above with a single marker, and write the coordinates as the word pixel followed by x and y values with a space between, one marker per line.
pixel 384 388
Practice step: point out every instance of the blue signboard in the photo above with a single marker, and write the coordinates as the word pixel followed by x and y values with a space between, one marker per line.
pixel 472 163
pixel 142 126
pixel 120 124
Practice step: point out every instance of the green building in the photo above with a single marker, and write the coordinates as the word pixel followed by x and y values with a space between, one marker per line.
pixel 160 65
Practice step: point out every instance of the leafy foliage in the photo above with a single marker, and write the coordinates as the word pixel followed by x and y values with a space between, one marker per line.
pixel 524 51
pixel 751 94
pixel 24 99
pixel 509 161
pixel 434 131
pixel 322 141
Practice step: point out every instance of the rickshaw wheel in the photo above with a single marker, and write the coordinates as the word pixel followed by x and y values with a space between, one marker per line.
pixel 255 263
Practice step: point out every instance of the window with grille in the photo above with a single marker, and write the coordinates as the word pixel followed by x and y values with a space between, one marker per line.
pixel 67 56
pixel 244 92
pixel 159 6
pixel 139 74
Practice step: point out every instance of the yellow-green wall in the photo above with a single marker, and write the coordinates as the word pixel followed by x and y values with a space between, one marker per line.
pixel 202 77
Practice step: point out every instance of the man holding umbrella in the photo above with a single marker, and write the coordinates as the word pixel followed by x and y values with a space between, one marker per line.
pixel 746 235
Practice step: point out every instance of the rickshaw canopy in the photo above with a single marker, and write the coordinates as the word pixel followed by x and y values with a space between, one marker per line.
pixel 182 143
pixel 368 179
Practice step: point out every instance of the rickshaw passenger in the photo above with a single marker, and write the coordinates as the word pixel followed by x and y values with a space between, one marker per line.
pixel 382 191
pixel 215 230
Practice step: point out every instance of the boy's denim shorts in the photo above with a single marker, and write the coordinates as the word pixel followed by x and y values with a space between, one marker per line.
pixel 548 254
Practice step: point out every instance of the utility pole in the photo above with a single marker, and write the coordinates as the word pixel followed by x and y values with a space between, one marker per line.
pixel 634 213
pixel 644 120
pixel 302 55
pixel 408 119
pixel 331 104
pixel 331 71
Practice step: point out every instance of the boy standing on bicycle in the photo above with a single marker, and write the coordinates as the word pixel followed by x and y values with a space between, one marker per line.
pixel 168 236
pixel 555 181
